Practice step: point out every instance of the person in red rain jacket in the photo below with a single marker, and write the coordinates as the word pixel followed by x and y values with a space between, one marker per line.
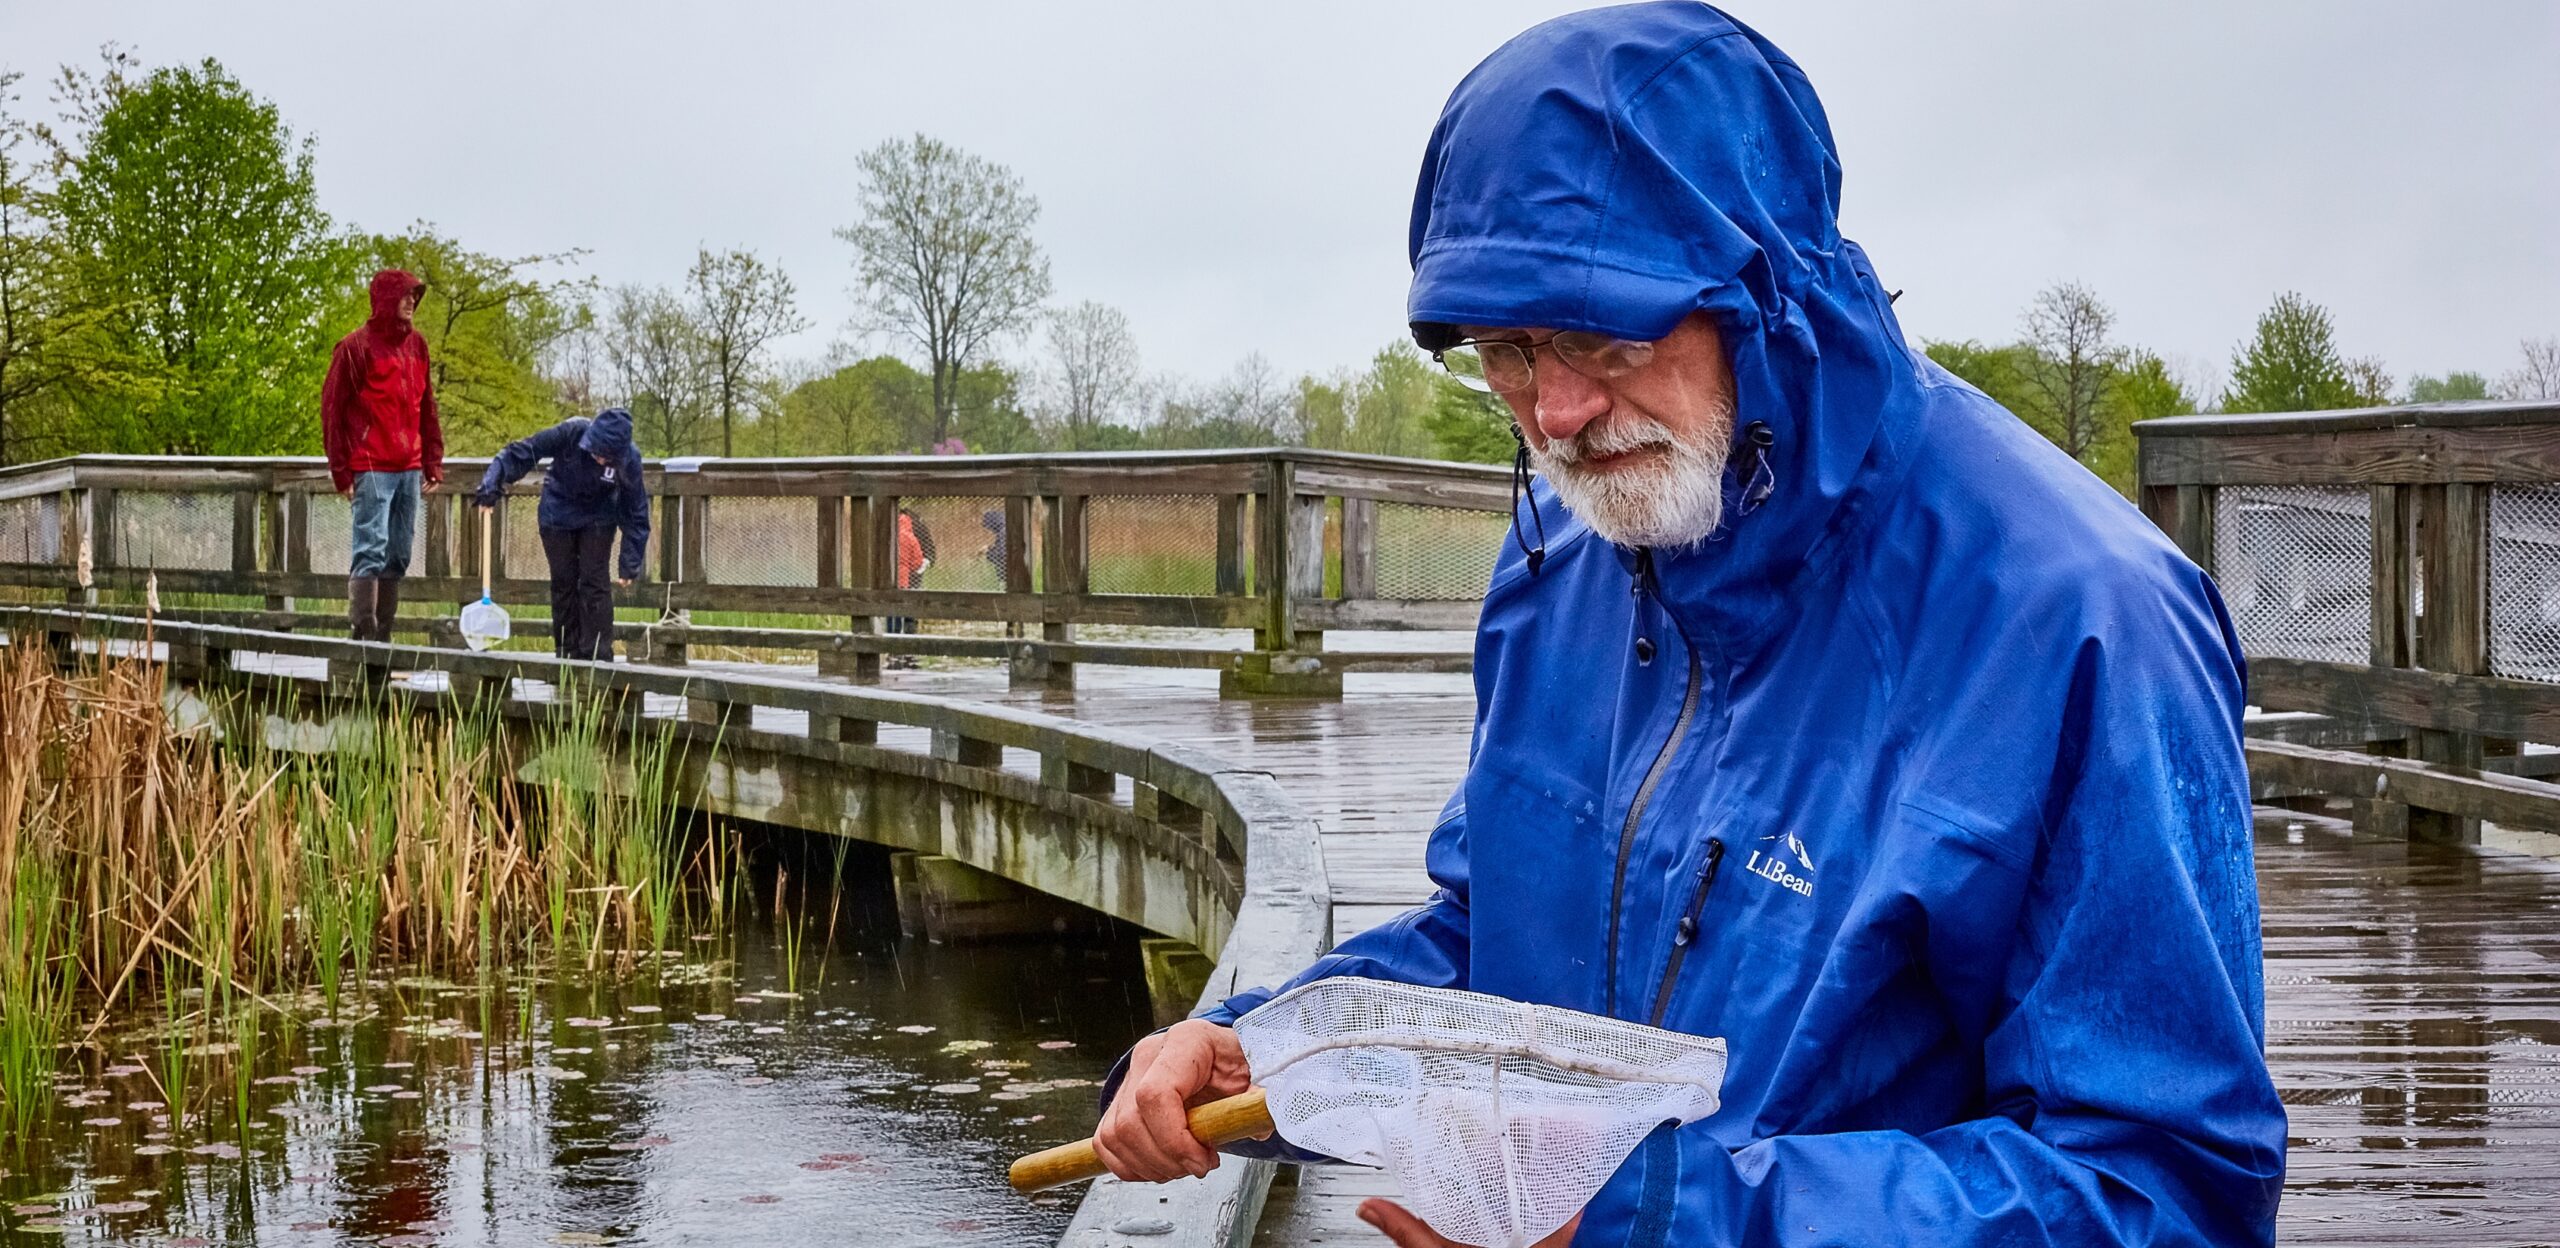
pixel 378 422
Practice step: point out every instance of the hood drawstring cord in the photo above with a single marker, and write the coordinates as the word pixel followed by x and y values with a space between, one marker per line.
pixel 1642 587
pixel 1752 468
pixel 1519 488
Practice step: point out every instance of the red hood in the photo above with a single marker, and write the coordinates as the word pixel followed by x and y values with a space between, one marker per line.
pixel 390 286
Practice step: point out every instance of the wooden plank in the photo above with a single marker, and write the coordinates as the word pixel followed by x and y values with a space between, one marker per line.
pixel 2452 554
pixel 244 531
pixel 1359 548
pixel 2393 623
pixel 670 522
pixel 1478 489
pixel 830 521
pixel 2397 455
pixel 435 518
pixel 1231 545
pixel 1390 615
pixel 105 533
pixel 2445 702
pixel 297 533
pixel 1016 553
pixel 2194 506
pixel 2457 792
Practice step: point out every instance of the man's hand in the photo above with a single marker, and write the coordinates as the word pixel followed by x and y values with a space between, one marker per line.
pixel 1146 1135
pixel 1409 1231
pixel 433 479
pixel 622 582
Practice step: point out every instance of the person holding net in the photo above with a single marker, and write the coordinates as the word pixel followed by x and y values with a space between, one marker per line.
pixel 1823 708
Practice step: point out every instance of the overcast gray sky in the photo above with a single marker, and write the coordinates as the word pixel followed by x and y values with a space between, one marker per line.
pixel 1236 177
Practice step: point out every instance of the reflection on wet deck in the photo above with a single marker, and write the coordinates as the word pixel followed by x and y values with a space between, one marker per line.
pixel 2413 991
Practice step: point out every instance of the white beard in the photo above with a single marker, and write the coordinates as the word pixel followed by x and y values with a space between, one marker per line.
pixel 1675 501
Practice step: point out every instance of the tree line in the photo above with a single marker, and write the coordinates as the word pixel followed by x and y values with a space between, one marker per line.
pixel 169 284
pixel 2067 376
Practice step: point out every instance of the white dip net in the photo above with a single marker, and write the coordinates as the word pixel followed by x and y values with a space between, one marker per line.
pixel 485 624
pixel 1500 1119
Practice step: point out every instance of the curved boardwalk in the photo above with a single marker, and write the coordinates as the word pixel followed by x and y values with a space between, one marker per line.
pixel 2413 991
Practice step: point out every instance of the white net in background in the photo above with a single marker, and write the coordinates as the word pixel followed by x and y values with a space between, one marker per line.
pixel 2295 565
pixel 2524 582
pixel 1499 1119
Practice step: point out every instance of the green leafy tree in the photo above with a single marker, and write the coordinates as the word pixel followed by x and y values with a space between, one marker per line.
pixel 189 222
pixel 1998 372
pixel 945 256
pixel 2143 389
pixel 488 322
pixel 2292 364
pixel 2454 387
pixel 1470 425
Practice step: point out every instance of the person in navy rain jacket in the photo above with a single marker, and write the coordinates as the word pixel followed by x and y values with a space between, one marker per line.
pixel 1821 706
pixel 592 488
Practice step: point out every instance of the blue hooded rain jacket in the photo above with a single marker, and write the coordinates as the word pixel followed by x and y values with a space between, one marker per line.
pixel 577 492
pixel 1924 789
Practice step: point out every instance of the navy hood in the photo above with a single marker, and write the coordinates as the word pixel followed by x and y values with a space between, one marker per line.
pixel 1615 171
pixel 609 434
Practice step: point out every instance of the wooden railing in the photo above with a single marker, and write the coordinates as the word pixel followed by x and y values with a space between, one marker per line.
pixel 1164 802
pixel 2395 571
pixel 1288 544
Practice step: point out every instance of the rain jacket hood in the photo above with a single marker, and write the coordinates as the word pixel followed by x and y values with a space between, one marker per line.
pixel 609 434
pixel 1919 781
pixel 577 492
pixel 1615 172
pixel 390 286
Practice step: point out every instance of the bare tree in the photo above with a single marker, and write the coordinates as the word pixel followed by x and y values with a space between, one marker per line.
pixel 945 256
pixel 740 305
pixel 2539 377
pixel 1093 370
pixel 2066 388
pixel 2370 379
pixel 658 367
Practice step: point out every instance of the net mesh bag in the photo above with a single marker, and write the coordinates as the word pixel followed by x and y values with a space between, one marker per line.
pixel 1499 1118
pixel 485 624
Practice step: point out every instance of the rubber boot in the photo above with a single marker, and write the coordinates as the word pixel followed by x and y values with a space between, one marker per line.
pixel 386 606
pixel 363 592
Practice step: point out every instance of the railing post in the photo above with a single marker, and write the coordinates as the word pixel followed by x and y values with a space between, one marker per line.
pixel 2453 531
pixel 1359 548
pixel 271 540
pixel 861 572
pixel 76 555
pixel 1288 568
pixel 1231 545
pixel 1063 553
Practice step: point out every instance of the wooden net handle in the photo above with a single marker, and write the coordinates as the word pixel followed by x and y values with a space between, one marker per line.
pixel 1244 1116
pixel 488 515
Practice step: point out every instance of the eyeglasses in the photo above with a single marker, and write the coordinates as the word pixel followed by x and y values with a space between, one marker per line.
pixel 1502 366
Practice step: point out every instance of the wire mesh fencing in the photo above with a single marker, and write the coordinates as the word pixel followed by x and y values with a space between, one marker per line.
pixel 1153 544
pixel 2295 564
pixel 521 539
pixel 2524 582
pixel 179 531
pixel 958 543
pixel 1436 553
pixel 31 529
pixel 760 541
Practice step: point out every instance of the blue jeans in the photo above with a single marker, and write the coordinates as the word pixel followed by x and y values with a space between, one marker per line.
pixel 386 519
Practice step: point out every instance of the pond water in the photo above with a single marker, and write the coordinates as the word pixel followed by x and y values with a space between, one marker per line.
pixel 706 1104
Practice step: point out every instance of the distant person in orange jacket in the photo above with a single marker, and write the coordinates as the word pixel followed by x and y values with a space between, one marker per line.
pixel 913 558
pixel 378 423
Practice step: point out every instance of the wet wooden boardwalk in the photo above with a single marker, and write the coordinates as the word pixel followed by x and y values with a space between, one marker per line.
pixel 2413 991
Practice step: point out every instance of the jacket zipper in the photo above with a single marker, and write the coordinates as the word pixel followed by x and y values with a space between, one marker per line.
pixel 1652 777
pixel 1687 933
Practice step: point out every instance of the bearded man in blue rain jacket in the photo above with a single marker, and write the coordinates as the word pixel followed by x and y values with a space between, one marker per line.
pixel 1821 706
